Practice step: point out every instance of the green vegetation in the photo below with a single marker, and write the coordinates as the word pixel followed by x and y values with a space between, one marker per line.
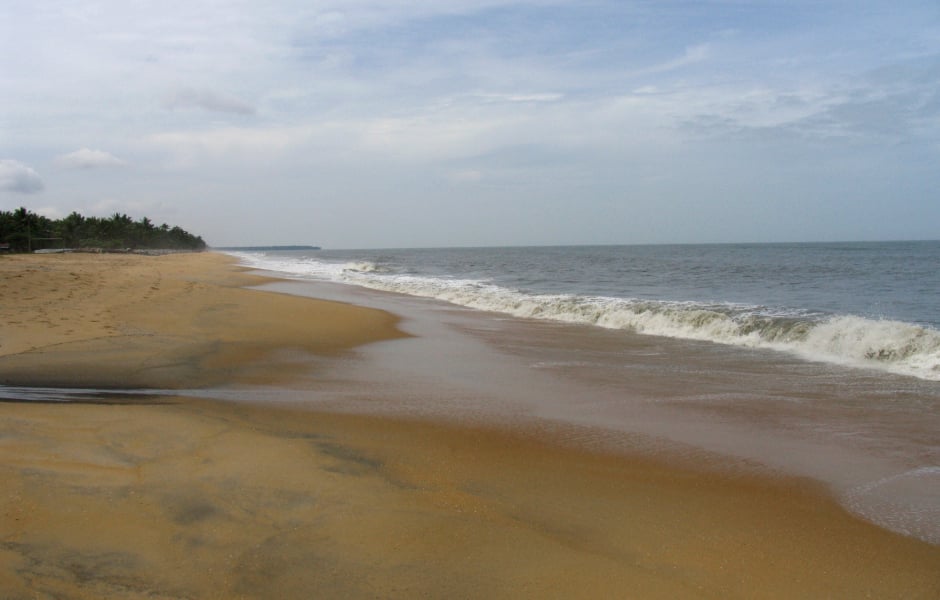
pixel 26 231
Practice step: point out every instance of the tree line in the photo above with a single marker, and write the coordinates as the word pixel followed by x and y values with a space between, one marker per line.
pixel 25 231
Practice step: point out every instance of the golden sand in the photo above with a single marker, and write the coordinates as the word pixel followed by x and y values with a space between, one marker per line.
pixel 117 320
pixel 184 498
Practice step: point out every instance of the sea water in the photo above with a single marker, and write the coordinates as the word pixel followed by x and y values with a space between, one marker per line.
pixel 821 360
pixel 875 305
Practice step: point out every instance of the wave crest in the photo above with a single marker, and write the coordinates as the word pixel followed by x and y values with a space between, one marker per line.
pixel 894 346
pixel 361 267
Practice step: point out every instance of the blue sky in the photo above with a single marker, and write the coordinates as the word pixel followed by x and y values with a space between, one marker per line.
pixel 369 123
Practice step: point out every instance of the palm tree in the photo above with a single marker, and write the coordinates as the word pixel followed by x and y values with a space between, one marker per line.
pixel 25 224
pixel 71 228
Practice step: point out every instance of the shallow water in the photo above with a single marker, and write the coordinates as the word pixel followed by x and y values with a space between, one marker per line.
pixel 871 305
pixel 870 437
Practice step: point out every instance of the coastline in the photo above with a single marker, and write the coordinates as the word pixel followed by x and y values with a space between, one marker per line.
pixel 181 497
pixel 172 321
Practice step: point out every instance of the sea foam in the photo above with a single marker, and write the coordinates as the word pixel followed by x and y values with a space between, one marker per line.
pixel 893 346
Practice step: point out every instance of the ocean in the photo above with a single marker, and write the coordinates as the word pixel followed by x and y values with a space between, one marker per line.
pixel 818 360
pixel 871 305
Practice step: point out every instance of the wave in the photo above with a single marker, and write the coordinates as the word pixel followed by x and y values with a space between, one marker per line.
pixel 915 516
pixel 894 346
pixel 361 267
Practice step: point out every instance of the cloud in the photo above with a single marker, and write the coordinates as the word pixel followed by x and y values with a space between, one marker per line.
pixel 519 97
pixel 230 145
pixel 430 137
pixel 108 206
pixel 691 56
pixel 187 98
pixel 50 212
pixel 17 177
pixel 89 159
pixel 897 103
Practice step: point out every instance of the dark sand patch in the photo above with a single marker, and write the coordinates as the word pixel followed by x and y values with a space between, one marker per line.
pixel 206 499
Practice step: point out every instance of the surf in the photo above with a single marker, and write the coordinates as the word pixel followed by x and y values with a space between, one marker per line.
pixel 850 340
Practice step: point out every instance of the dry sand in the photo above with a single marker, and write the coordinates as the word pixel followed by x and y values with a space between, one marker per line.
pixel 176 321
pixel 185 498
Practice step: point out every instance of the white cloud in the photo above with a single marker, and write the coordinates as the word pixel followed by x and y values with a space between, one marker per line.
pixel 519 97
pixel 17 177
pixel 89 159
pixel 187 98
pixel 50 212
pixel 401 139
pixel 323 97
pixel 240 145
pixel 692 55
pixel 109 206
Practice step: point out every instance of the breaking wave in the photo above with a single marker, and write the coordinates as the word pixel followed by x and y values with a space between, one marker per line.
pixel 361 267
pixel 894 346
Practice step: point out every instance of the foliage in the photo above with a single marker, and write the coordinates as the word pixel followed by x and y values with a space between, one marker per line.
pixel 25 231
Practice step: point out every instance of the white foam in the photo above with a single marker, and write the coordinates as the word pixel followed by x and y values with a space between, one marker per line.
pixel 893 346
pixel 360 267
pixel 907 502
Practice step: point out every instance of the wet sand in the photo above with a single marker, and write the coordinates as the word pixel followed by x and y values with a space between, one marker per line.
pixel 176 497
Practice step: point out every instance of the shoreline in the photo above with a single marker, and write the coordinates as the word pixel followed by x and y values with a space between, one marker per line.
pixel 271 500
pixel 169 321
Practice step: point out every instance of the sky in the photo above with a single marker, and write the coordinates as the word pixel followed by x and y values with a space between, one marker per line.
pixel 422 123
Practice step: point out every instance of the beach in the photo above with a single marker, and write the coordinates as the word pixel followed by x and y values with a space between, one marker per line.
pixel 117 320
pixel 170 494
